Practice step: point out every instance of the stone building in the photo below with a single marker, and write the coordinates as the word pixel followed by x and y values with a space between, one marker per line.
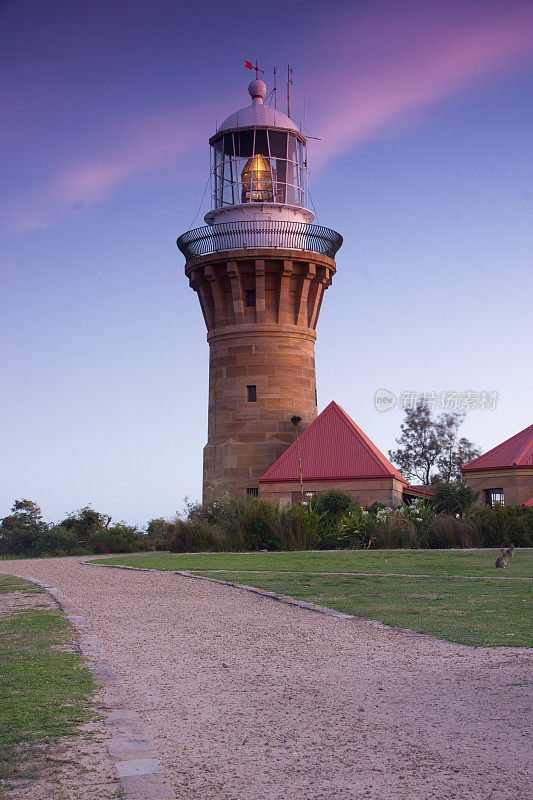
pixel 505 473
pixel 334 453
pixel 260 269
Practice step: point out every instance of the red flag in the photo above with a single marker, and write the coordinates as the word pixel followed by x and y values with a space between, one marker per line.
pixel 248 64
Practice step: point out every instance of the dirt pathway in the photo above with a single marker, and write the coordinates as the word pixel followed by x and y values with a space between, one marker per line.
pixel 245 698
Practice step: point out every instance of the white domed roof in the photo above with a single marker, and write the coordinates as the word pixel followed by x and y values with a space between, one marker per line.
pixel 257 114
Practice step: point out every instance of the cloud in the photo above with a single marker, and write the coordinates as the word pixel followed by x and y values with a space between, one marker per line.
pixel 139 147
pixel 376 70
pixel 424 65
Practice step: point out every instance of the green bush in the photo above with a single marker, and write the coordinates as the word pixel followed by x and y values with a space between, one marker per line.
pixel 453 498
pixel 157 534
pixel 449 531
pixel 257 524
pixel 394 530
pixel 334 504
pixel 331 507
pixel 195 536
pixel 299 528
pixel 244 525
pixel 120 538
pixel 357 529
pixel 504 525
pixel 57 541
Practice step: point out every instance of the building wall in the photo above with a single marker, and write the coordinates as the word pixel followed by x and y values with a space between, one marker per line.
pixel 517 484
pixel 269 345
pixel 381 490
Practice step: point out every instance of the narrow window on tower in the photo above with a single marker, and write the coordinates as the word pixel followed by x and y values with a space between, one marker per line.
pixel 252 492
pixel 252 394
pixel 250 298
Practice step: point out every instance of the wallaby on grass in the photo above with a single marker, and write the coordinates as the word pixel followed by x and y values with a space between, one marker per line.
pixel 501 562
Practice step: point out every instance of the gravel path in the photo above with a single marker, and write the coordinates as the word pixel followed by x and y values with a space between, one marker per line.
pixel 249 699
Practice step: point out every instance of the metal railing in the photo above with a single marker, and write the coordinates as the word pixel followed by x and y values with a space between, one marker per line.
pixel 263 233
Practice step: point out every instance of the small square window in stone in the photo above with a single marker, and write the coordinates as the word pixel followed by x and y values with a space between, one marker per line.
pixel 250 298
pixel 252 394
pixel 252 492
pixel 496 496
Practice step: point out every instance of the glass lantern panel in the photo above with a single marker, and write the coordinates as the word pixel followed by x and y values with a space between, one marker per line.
pixel 261 144
pixel 292 154
pixel 278 144
pixel 244 143
pixel 228 144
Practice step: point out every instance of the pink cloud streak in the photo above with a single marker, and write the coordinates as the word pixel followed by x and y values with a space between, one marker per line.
pixel 362 93
pixel 438 66
pixel 140 147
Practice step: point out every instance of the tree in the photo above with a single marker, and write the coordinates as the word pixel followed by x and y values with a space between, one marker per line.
pixel 158 533
pixel 455 452
pixel 453 498
pixel 20 531
pixel 87 524
pixel 419 448
pixel 334 503
pixel 427 445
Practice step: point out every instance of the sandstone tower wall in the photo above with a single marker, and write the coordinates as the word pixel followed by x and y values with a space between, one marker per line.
pixel 261 309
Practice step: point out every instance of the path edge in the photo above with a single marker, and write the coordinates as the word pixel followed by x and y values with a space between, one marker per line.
pixel 292 601
pixel 140 775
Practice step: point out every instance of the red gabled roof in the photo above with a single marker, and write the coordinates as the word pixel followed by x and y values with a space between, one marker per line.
pixel 514 453
pixel 333 447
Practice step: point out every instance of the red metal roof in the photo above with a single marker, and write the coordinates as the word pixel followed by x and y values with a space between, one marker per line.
pixel 422 489
pixel 333 447
pixel 528 503
pixel 514 453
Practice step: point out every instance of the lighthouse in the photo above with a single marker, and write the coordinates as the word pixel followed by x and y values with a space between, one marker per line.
pixel 260 268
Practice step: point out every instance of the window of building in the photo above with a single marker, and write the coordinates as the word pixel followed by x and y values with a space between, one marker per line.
pixel 252 492
pixel 252 394
pixel 493 496
pixel 250 298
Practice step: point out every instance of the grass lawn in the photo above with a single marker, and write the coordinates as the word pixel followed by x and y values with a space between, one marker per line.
pixel 478 611
pixel 45 687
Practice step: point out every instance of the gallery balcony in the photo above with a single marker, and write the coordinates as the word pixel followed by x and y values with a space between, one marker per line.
pixel 259 234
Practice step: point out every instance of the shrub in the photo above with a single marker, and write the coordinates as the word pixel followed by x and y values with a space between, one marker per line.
pixel 331 507
pixel 57 541
pixel 298 528
pixel 191 536
pixel 356 529
pixel 120 538
pixel 257 524
pixel 395 530
pixel 334 504
pixel 504 525
pixel 449 531
pixel 453 498
pixel 157 534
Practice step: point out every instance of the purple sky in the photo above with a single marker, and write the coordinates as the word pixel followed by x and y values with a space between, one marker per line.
pixel 424 115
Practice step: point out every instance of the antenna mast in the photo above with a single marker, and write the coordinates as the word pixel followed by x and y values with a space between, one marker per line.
pixel 289 84
pixel 275 91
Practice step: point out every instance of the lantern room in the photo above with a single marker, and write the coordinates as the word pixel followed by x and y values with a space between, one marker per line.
pixel 258 166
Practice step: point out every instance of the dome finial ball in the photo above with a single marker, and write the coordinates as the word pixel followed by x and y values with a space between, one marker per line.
pixel 257 89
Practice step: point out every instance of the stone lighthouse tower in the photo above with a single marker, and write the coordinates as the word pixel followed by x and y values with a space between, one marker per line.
pixel 260 269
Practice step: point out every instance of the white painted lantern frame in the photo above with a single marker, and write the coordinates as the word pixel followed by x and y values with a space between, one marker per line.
pixel 285 152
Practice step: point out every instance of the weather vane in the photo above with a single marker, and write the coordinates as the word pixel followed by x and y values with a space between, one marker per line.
pixel 249 65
